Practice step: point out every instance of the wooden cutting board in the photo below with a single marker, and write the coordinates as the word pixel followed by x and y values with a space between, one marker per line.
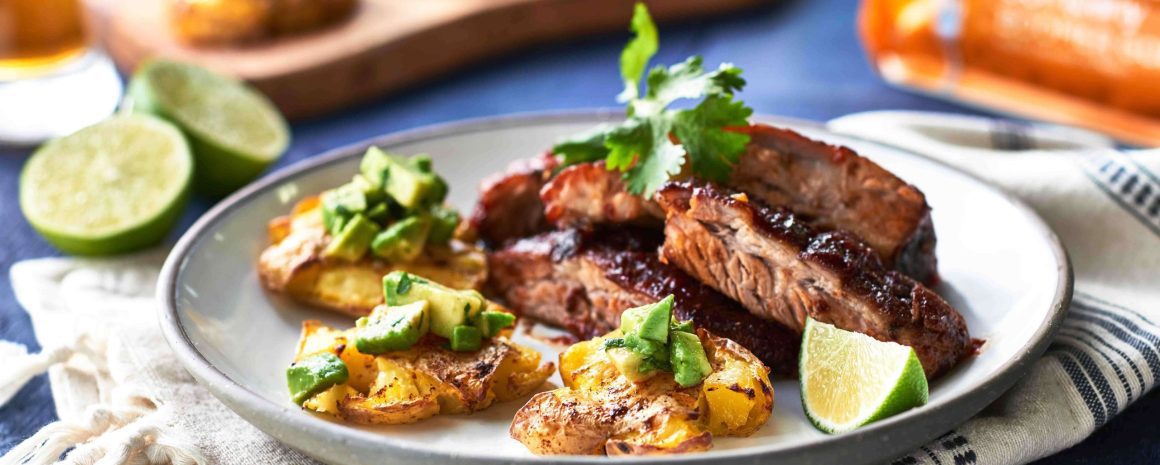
pixel 386 45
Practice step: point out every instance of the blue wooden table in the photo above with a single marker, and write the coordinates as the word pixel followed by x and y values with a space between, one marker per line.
pixel 801 59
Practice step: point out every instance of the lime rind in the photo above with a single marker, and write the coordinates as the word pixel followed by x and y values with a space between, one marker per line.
pixel 861 362
pixel 234 131
pixel 91 193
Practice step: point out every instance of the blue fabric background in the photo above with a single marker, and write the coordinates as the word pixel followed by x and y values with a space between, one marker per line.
pixel 801 59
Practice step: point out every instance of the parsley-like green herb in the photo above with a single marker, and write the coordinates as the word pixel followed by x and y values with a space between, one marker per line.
pixel 643 146
pixel 404 284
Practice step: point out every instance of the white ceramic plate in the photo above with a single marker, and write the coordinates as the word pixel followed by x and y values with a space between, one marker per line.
pixel 1001 266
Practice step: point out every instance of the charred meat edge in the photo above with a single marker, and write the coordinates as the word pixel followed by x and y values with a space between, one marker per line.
pixel 582 281
pixel 779 267
pixel 509 204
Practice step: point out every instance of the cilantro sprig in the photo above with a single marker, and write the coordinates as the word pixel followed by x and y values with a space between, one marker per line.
pixel 655 142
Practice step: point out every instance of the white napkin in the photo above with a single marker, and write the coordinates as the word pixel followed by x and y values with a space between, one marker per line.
pixel 121 394
pixel 1105 207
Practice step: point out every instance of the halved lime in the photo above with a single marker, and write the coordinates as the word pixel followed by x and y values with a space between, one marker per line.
pixel 113 187
pixel 850 379
pixel 234 131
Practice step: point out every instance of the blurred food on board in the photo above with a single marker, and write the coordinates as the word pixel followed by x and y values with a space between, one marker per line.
pixel 383 46
pixel 233 22
pixel 1092 63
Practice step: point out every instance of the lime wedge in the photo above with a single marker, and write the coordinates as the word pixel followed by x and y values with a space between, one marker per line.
pixel 850 379
pixel 234 131
pixel 113 187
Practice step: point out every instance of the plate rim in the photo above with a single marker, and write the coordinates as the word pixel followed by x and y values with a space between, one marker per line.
pixel 234 395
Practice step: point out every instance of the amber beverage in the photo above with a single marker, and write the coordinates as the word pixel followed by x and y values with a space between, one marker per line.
pixel 1091 63
pixel 38 36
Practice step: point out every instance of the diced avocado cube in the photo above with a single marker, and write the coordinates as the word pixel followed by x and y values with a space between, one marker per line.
pixel 491 322
pixel 439 189
pixel 647 347
pixel 354 240
pixel 413 188
pixel 630 363
pixel 315 374
pixel 649 321
pixel 422 162
pixel 402 241
pixel 687 357
pixel 448 307
pixel 380 213
pixel 339 204
pixel 412 182
pixel 333 221
pixel 398 283
pixel 465 338
pixel 375 166
pixel 683 326
pixel 443 223
pixel 391 328
pixel 373 192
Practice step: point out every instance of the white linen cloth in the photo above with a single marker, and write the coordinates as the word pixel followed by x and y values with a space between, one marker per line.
pixel 122 397
pixel 1105 207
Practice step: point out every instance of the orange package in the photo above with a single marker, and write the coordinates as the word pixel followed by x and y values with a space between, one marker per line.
pixel 1090 63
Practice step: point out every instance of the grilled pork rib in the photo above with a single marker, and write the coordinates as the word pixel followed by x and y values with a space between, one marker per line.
pixel 583 281
pixel 587 194
pixel 830 187
pixel 509 204
pixel 779 267
pixel 835 188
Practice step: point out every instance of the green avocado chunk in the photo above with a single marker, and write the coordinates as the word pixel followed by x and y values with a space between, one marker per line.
pixel 353 241
pixel 380 213
pixel 682 326
pixel 443 223
pixel 402 241
pixel 466 338
pixel 375 166
pixel 690 365
pixel 491 322
pixel 372 192
pixel 649 321
pixel 632 364
pixel 414 188
pixel 391 328
pixel 315 374
pixel 340 204
pixel 448 307
pixel 422 162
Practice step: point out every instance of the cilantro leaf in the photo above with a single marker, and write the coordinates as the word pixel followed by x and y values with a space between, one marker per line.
pixel 642 147
pixel 689 80
pixel 584 147
pixel 701 131
pixel 636 55
pixel 627 142
pixel 661 161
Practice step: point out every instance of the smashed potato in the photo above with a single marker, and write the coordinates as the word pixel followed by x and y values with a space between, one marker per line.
pixel 427 379
pixel 599 411
pixel 293 265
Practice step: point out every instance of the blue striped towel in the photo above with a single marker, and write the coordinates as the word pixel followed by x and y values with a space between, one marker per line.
pixel 1105 206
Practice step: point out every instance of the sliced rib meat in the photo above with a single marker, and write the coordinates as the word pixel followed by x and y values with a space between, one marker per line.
pixel 509 204
pixel 583 281
pixel 587 194
pixel 831 187
pixel 835 188
pixel 779 267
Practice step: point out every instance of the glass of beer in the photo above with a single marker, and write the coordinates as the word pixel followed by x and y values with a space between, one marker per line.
pixel 53 79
